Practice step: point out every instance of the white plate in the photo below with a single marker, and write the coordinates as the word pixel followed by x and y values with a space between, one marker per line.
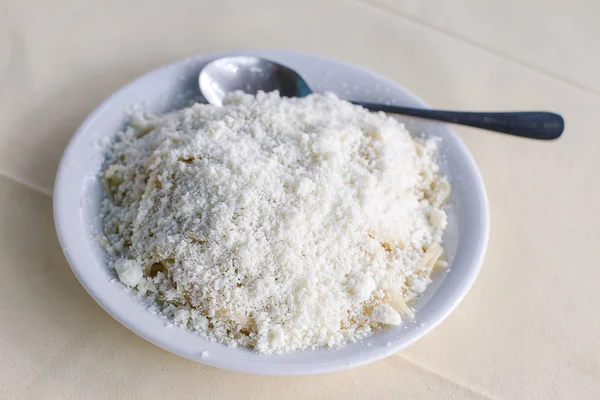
pixel 77 194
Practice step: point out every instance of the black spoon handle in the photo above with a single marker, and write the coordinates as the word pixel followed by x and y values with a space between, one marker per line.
pixel 531 124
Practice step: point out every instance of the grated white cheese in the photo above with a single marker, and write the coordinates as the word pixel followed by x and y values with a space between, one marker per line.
pixel 385 314
pixel 128 271
pixel 275 223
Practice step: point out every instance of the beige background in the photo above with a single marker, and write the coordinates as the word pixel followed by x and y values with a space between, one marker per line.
pixel 530 327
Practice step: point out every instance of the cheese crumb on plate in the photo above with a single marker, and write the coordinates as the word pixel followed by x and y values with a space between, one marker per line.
pixel 278 224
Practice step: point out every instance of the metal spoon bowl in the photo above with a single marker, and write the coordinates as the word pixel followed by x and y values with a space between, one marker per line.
pixel 254 74
pixel 250 75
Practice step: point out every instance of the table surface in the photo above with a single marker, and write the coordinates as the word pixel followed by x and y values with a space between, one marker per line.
pixel 529 328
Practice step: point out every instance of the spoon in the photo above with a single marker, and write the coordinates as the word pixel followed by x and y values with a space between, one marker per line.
pixel 251 74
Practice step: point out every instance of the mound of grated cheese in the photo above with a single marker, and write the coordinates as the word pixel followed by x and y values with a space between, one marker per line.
pixel 274 223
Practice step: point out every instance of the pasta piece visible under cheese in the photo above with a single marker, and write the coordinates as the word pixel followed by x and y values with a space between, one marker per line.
pixel 398 303
pixel 432 254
